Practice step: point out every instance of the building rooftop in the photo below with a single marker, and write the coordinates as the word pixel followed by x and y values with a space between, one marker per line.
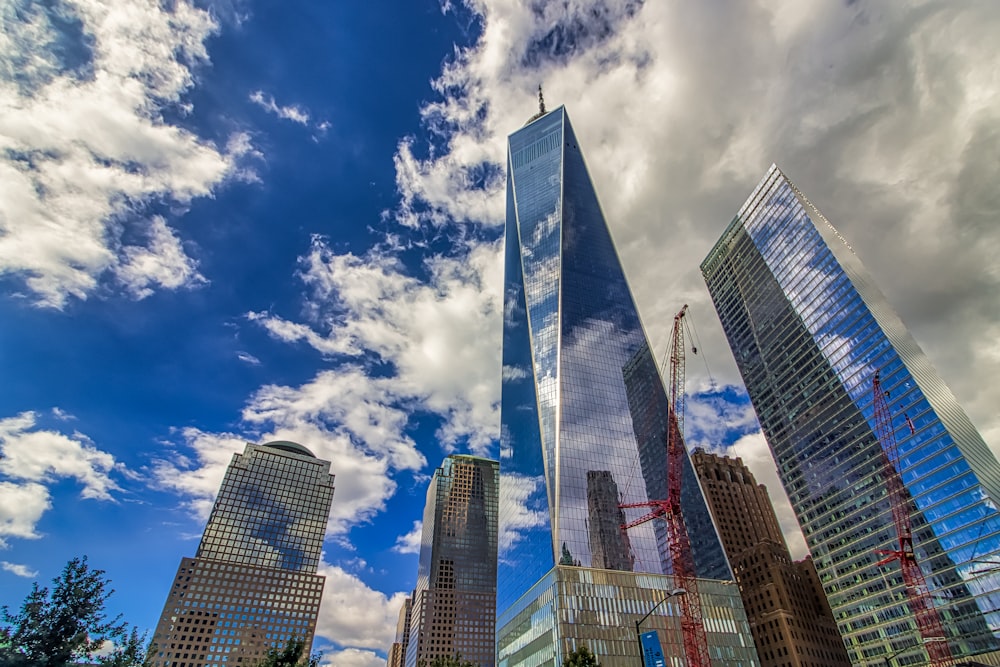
pixel 288 446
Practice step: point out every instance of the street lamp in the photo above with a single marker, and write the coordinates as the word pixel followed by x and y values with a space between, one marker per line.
pixel 638 632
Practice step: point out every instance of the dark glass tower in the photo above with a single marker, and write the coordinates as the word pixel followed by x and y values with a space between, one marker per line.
pixel 583 423
pixel 809 330
pixel 252 585
pixel 454 604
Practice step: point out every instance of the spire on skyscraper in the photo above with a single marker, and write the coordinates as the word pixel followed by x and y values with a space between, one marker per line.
pixel 541 106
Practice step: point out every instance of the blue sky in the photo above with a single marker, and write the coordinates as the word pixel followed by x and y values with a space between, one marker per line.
pixel 235 221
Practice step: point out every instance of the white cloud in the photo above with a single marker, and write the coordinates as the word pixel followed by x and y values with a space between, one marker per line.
pixel 353 615
pixel 198 479
pixel 345 400
pixel 293 112
pixel 512 373
pixel 21 508
pixel 441 337
pixel 161 263
pixel 351 657
pixel 31 459
pixel 292 332
pixel 18 570
pixel 410 543
pixel 84 144
pixel 42 456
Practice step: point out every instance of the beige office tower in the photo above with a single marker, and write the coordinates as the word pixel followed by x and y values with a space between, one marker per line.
pixel 252 585
pixel 789 616
pixel 397 652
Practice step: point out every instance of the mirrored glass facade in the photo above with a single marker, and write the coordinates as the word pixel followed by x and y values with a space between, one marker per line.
pixel 454 604
pixel 808 329
pixel 583 408
pixel 272 509
pixel 252 585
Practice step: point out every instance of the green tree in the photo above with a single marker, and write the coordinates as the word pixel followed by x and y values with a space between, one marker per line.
pixel 581 657
pixel 129 651
pixel 447 661
pixel 68 625
pixel 290 655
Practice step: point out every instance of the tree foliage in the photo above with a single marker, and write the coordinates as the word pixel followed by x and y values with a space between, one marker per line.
pixel 581 657
pixel 447 661
pixel 68 624
pixel 290 655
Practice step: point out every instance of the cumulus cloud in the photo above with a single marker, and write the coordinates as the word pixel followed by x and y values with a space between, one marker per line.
pixel 197 478
pixel 354 615
pixel 440 337
pixel 410 543
pixel 42 456
pixel 84 145
pixel 162 262
pixel 21 507
pixel 352 657
pixel 31 459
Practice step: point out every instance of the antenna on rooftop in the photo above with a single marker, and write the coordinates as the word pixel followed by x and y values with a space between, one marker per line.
pixel 541 106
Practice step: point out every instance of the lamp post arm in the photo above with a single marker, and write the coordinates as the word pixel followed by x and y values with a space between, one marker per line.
pixel 650 612
pixel 638 632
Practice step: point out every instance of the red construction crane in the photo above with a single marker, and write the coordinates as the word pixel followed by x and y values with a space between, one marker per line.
pixel 685 576
pixel 921 604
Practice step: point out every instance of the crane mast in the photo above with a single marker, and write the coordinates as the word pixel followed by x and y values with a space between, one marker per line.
pixel 685 575
pixel 926 614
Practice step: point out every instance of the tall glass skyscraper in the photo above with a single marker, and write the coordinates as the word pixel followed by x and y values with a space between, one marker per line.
pixel 583 430
pixel 252 584
pixel 809 330
pixel 454 603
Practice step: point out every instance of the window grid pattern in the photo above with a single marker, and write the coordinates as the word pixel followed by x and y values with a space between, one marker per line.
pixel 272 510
pixel 808 329
pixel 220 613
pixel 454 603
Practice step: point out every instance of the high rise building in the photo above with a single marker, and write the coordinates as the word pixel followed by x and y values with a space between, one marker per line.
pixel 252 584
pixel 789 615
pixel 809 330
pixel 583 430
pixel 397 652
pixel 454 603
